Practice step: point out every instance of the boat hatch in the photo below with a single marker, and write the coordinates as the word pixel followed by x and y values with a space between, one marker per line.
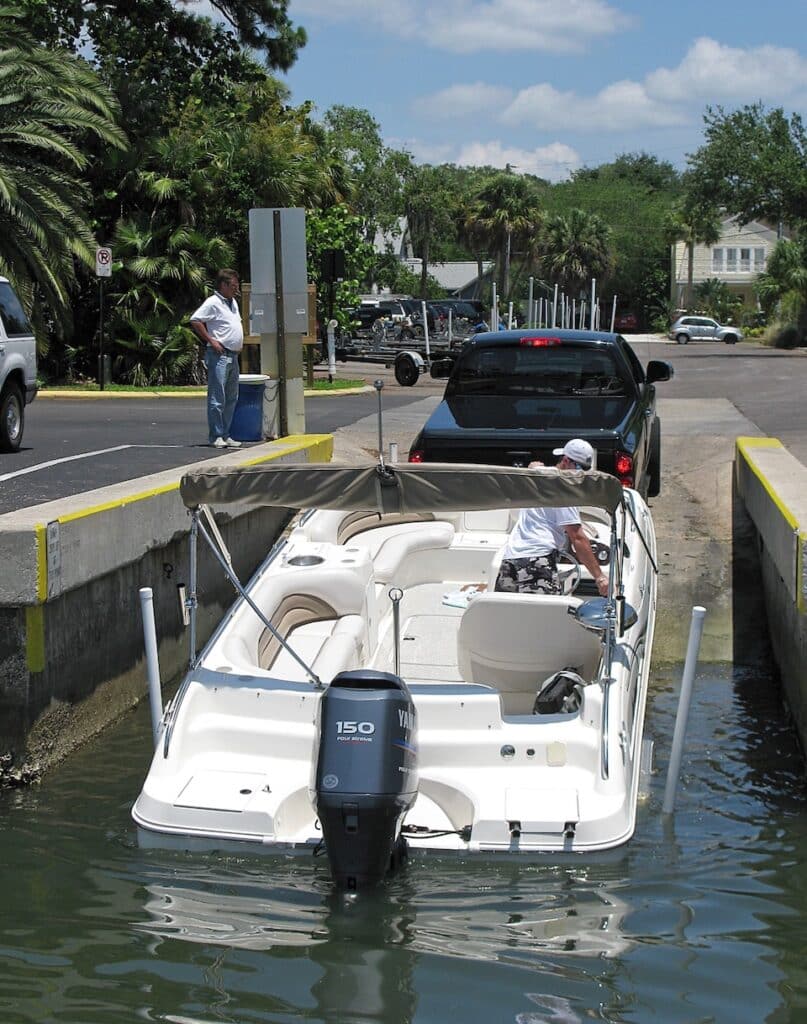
pixel 221 791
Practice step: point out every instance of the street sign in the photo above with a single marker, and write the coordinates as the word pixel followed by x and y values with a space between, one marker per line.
pixel 103 262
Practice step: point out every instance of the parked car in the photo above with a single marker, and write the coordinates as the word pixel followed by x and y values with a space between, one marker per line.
pixel 626 321
pixel 513 396
pixel 17 367
pixel 703 328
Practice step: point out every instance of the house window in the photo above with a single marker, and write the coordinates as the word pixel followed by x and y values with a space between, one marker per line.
pixel 759 260
pixel 717 261
pixel 731 260
pixel 745 260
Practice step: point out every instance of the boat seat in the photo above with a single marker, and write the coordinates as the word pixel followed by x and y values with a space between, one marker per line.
pixel 515 641
pixel 391 546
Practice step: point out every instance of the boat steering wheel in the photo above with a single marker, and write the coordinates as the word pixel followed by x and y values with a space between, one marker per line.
pixel 570 572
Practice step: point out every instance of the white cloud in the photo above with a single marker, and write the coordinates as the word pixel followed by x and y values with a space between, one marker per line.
pixel 618 106
pixel 708 73
pixel 711 71
pixel 462 100
pixel 554 161
pixel 479 26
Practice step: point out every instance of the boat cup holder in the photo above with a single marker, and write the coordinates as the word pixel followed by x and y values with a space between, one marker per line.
pixel 306 560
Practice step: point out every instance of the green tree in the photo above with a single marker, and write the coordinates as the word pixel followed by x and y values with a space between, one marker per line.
pixel 574 248
pixel 693 224
pixel 753 163
pixel 716 299
pixel 783 287
pixel 377 173
pixel 49 102
pixel 505 211
pixel 429 207
pixel 337 228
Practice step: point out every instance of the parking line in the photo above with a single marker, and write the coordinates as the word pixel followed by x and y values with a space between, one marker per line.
pixel 83 455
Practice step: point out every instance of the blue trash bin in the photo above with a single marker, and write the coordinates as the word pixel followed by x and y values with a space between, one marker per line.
pixel 247 424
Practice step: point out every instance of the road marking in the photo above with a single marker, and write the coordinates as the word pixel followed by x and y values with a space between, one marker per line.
pixel 83 455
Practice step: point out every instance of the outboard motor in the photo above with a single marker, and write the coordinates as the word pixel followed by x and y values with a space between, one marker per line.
pixel 366 778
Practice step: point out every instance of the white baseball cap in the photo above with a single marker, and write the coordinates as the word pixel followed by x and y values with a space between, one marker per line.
pixel 578 451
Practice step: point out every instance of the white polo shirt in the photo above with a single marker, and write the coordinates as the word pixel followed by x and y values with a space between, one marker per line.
pixel 538 531
pixel 222 320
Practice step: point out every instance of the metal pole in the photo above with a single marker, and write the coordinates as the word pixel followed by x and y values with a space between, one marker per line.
pixel 152 661
pixel 555 307
pixel 613 314
pixel 395 596
pixel 529 304
pixel 425 332
pixel 393 452
pixel 101 335
pixel 450 331
pixel 332 324
pixel 676 753
pixel 281 326
pixel 378 385
pixel 192 556
pixel 494 309
pixel 593 299
pixel 509 316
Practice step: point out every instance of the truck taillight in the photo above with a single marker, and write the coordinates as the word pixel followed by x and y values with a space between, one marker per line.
pixel 541 341
pixel 416 455
pixel 623 467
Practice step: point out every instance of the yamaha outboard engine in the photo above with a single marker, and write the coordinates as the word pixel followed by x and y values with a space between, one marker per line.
pixel 366 776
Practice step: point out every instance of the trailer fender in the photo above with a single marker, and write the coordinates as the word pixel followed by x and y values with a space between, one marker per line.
pixel 408 367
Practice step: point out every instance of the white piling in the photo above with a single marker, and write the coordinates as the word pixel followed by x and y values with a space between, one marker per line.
pixel 152 661
pixel 679 733
pixel 393 452
pixel 529 303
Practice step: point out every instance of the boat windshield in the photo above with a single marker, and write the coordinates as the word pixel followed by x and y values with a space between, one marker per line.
pixel 511 371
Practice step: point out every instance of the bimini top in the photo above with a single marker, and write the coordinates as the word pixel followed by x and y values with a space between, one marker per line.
pixel 406 487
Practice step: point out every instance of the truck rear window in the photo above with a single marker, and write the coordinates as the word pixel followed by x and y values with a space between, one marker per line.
pixel 11 313
pixel 511 371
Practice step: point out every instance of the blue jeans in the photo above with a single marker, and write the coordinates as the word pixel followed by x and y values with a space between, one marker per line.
pixel 222 391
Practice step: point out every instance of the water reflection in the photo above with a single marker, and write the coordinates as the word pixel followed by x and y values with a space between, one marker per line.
pixel 698 918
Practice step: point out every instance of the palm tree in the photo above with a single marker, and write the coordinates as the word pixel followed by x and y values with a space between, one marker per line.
pixel 505 211
pixel 784 284
pixel 575 247
pixel 49 100
pixel 693 225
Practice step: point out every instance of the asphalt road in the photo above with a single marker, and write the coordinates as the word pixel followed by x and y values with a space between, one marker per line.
pixel 75 445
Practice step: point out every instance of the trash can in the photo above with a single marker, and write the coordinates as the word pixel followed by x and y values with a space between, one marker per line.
pixel 247 424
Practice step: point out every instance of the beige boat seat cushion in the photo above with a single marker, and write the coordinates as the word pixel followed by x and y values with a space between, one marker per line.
pixel 515 641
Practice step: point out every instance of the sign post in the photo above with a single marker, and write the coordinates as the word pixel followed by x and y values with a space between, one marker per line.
pixel 103 269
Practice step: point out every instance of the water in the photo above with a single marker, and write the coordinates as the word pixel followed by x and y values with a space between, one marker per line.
pixel 697 920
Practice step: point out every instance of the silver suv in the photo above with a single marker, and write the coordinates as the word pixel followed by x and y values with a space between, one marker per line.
pixel 17 367
pixel 703 328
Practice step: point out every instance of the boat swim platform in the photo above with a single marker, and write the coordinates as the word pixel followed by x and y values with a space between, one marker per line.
pixel 72 657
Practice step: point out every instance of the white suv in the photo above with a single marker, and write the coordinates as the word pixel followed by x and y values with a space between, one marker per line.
pixel 17 367
pixel 703 328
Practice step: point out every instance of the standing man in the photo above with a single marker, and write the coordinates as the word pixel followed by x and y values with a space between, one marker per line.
pixel 217 322
pixel 530 558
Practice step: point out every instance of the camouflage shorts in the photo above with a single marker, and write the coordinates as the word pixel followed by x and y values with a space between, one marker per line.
pixel 537 575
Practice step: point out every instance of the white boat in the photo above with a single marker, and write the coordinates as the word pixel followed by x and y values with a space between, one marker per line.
pixel 369 692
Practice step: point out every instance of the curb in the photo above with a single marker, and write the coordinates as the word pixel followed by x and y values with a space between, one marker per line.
pixel 96 395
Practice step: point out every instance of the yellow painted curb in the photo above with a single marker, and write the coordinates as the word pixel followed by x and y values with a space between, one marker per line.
pixel 94 395
pixel 744 445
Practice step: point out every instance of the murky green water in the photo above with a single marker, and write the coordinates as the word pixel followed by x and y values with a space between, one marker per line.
pixel 697 919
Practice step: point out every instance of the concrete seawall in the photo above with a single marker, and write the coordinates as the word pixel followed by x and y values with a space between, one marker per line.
pixel 71 645
pixel 772 485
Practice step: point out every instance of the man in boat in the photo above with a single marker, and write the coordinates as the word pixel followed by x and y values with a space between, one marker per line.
pixel 530 558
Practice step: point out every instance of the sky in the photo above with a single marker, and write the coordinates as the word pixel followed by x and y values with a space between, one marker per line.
pixel 548 86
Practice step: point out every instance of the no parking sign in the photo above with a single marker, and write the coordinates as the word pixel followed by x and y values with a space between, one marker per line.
pixel 103 262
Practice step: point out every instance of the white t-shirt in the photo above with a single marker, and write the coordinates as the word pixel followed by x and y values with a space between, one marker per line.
pixel 222 320
pixel 538 531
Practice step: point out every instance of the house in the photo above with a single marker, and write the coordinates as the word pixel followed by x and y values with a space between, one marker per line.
pixel 459 279
pixel 738 257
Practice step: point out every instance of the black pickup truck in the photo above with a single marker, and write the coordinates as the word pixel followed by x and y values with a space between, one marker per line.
pixel 514 396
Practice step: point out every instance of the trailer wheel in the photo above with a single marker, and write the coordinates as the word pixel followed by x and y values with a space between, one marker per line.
pixel 406 370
